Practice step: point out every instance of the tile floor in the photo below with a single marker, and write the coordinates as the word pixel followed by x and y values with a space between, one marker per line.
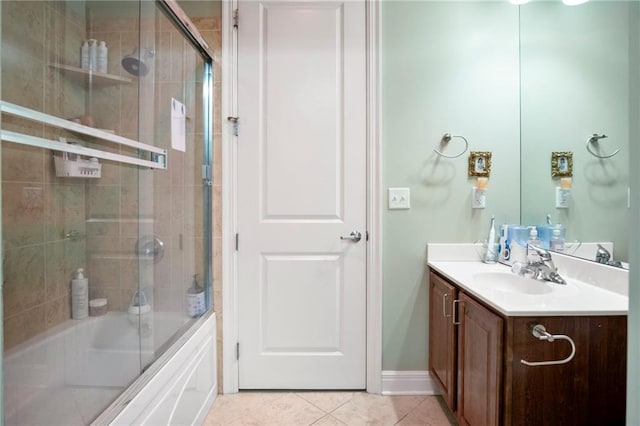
pixel 327 408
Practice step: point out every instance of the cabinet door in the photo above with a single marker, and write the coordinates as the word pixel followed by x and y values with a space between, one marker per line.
pixel 442 337
pixel 588 390
pixel 479 364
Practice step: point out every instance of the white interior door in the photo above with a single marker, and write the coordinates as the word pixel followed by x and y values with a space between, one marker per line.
pixel 301 186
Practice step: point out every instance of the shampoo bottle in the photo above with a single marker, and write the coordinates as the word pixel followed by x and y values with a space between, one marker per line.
pixel 103 55
pixel 195 299
pixel 79 295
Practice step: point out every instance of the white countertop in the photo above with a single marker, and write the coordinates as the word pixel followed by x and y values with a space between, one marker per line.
pixel 577 297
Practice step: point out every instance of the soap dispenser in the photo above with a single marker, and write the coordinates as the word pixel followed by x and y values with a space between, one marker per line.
pixel 79 295
pixel 532 255
pixel 195 299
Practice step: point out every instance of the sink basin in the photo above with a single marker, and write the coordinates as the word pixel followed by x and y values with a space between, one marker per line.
pixel 511 283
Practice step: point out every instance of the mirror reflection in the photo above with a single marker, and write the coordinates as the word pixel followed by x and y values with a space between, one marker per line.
pixel 576 68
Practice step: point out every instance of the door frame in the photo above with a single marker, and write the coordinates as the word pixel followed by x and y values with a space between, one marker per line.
pixel 230 302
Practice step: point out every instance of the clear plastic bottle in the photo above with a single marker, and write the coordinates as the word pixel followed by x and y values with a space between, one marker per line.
pixel 557 242
pixel 84 55
pixel 103 57
pixel 532 255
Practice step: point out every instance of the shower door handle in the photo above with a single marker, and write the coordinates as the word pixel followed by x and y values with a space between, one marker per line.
pixel 354 236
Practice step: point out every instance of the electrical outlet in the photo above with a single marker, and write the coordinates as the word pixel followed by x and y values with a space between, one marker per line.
pixel 478 198
pixel 562 198
pixel 399 198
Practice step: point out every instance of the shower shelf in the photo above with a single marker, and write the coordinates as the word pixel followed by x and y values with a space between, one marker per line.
pixel 97 77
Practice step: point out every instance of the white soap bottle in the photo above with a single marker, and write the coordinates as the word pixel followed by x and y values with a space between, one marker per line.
pixel 93 55
pixel 84 55
pixel 79 295
pixel 103 55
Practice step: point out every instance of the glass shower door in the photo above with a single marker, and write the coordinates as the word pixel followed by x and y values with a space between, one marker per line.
pixel 102 170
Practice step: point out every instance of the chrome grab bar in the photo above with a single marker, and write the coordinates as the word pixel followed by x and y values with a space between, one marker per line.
pixel 158 155
pixel 540 332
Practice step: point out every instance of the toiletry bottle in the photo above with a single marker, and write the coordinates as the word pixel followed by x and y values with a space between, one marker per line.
pixel 93 55
pixel 79 296
pixel 84 55
pixel 532 255
pixel 491 256
pixel 557 242
pixel 103 53
pixel 195 299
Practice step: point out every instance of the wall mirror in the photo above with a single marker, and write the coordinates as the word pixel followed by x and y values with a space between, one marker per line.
pixel 577 72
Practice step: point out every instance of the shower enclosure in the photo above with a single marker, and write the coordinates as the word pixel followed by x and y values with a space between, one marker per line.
pixel 106 158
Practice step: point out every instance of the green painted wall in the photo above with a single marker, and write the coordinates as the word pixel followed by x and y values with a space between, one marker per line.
pixel 447 67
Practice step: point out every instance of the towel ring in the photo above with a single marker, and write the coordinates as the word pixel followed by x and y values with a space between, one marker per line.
pixel 446 138
pixel 540 332
pixel 594 139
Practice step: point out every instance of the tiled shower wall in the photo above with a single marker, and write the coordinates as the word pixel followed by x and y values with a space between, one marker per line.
pixel 38 208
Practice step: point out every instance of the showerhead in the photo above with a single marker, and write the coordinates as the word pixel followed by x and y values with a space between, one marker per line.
pixel 134 63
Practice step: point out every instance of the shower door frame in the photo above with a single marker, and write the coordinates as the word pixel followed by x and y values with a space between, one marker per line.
pixel 374 206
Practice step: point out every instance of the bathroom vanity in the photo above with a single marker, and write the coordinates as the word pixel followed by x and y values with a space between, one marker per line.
pixel 481 319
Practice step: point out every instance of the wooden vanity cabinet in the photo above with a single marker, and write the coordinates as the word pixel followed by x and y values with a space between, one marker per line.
pixel 489 385
pixel 479 363
pixel 442 340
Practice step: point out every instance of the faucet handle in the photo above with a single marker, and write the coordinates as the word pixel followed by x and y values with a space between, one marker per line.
pixel 519 268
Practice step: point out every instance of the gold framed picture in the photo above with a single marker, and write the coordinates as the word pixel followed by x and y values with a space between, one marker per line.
pixel 480 163
pixel 562 163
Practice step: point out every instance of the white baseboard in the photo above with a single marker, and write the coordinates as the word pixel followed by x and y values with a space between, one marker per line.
pixel 408 383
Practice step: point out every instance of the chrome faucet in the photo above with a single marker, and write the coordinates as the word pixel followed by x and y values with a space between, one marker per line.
pixel 604 256
pixel 539 267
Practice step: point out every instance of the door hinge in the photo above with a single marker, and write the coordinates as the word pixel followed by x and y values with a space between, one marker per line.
pixel 237 350
pixel 234 122
pixel 236 18
pixel 367 234
pixel 206 175
pixel 237 241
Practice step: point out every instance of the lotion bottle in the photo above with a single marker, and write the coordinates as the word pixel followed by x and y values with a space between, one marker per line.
pixel 79 295
pixel 103 53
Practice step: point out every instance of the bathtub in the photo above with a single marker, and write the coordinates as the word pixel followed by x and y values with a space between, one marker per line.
pixel 75 373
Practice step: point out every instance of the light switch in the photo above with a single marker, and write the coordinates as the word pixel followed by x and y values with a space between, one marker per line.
pixel 399 198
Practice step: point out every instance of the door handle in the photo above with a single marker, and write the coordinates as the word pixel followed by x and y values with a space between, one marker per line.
pixel 354 236
pixel 444 306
